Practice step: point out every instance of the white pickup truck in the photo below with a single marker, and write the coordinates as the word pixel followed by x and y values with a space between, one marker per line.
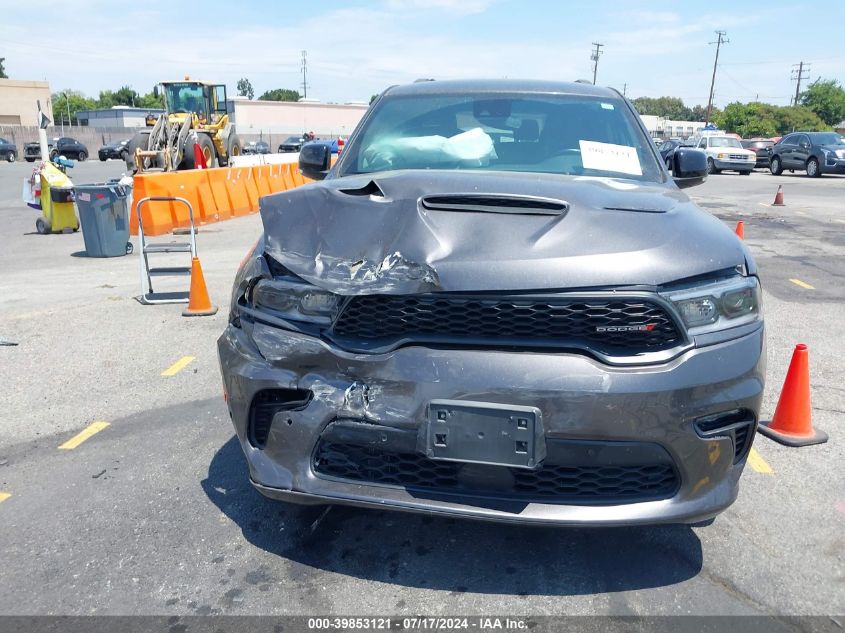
pixel 726 152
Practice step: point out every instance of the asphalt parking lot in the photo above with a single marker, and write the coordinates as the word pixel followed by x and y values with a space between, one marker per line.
pixel 153 513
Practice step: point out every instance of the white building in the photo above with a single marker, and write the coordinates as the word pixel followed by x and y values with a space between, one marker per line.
pixel 659 127
pixel 292 117
pixel 114 117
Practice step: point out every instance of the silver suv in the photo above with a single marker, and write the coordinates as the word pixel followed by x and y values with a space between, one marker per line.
pixel 497 304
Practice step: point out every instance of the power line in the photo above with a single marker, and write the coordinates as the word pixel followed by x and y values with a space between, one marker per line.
pixel 595 59
pixel 798 76
pixel 720 39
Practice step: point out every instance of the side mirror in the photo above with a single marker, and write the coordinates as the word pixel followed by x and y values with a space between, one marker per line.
pixel 315 160
pixel 689 167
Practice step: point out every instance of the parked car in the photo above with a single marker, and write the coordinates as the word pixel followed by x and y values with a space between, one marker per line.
pixel 726 153
pixel 59 146
pixel 761 147
pixel 816 153
pixel 257 147
pixel 291 144
pixel 667 151
pixel 115 149
pixel 8 150
pixel 331 143
pixel 539 329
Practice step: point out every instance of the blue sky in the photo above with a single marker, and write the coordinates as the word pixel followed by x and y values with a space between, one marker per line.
pixel 357 48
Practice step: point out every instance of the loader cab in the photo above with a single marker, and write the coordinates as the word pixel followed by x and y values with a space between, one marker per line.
pixel 206 101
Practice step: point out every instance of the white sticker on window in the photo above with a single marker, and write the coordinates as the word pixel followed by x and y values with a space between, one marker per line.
pixel 610 157
pixel 607 106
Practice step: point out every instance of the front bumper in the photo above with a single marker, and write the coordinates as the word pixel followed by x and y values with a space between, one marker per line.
pixel 578 397
pixel 737 165
pixel 836 166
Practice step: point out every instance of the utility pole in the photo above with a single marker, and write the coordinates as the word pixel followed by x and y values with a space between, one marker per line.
pixel 798 75
pixel 721 39
pixel 595 59
pixel 624 90
pixel 304 75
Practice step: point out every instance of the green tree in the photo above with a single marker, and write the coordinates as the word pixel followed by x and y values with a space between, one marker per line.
pixel 3 74
pixel 749 119
pixel 280 94
pixel 666 107
pixel 826 99
pixel 795 118
pixel 245 88
pixel 69 99
pixel 153 100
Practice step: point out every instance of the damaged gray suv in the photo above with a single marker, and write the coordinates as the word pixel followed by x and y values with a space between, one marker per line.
pixel 497 304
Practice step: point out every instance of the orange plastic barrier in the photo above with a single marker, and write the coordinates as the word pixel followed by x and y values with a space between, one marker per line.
pixel 215 194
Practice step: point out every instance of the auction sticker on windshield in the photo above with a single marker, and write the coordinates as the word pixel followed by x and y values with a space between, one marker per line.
pixel 610 157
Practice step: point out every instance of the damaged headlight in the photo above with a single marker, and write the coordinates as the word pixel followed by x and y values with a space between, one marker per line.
pixel 295 300
pixel 717 305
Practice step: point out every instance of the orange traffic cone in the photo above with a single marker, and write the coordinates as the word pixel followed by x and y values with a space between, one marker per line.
pixel 779 198
pixel 199 303
pixel 740 229
pixel 791 424
pixel 199 157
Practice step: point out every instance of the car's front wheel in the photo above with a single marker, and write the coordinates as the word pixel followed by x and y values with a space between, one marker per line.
pixel 12 157
pixel 775 166
pixel 746 172
pixel 813 170
pixel 711 167
pixel 81 156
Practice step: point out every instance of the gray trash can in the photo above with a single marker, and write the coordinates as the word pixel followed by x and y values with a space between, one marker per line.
pixel 104 213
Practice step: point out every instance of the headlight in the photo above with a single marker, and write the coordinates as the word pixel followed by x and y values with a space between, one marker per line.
pixel 717 305
pixel 840 153
pixel 295 300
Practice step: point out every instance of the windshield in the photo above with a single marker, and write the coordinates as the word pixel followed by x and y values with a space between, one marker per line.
pixel 724 141
pixel 556 134
pixel 293 139
pixel 185 97
pixel 828 138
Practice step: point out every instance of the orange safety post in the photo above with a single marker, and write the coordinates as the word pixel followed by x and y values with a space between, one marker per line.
pixel 276 178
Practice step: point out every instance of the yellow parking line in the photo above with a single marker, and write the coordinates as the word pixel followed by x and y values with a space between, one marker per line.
pixel 758 464
pixel 4 496
pixel 803 284
pixel 178 366
pixel 87 432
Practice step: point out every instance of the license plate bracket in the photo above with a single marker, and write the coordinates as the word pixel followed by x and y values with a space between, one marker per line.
pixel 484 433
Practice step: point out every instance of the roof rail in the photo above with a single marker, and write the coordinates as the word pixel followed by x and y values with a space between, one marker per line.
pixel 422 79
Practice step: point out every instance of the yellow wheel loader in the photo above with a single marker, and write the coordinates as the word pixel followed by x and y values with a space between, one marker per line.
pixel 195 112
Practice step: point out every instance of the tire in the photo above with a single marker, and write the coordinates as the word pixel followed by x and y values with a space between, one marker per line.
pixel 234 147
pixel 140 141
pixel 42 226
pixel 124 156
pixel 53 155
pixel 746 172
pixel 668 163
pixel 775 166
pixel 711 167
pixel 207 148
pixel 813 168
pixel 12 157
pixel 81 156
pixel 28 159
pixel 103 159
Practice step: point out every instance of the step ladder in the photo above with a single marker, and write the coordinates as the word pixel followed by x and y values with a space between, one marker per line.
pixel 148 295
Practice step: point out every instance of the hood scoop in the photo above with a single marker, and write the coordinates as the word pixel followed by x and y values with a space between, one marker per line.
pixel 495 203
pixel 635 209
pixel 370 189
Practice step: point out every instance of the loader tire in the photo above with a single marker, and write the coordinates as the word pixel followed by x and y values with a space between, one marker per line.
pixel 139 141
pixel 207 147
pixel 234 147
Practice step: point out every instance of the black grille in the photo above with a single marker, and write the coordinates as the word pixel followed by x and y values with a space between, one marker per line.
pixel 265 404
pixel 549 484
pixel 605 325
pixel 742 435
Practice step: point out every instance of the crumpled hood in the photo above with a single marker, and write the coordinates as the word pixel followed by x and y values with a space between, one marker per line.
pixel 370 234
